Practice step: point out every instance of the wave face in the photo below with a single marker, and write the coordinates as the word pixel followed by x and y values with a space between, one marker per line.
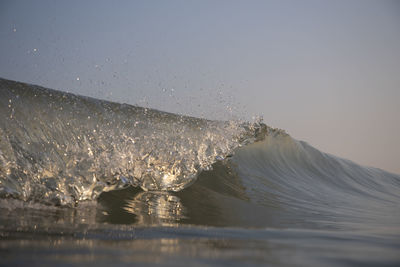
pixel 316 189
pixel 61 148
pixel 261 194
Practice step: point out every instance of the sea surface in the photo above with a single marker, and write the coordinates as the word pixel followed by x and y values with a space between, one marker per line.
pixel 94 183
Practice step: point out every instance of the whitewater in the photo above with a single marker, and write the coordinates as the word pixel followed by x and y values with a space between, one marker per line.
pixel 85 181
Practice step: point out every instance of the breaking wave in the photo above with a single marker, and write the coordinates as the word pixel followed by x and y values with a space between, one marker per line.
pixel 62 148
pixel 254 188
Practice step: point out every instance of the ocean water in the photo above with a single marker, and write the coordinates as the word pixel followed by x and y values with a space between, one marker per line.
pixel 90 182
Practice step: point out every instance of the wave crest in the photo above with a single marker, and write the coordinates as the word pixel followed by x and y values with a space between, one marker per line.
pixel 62 148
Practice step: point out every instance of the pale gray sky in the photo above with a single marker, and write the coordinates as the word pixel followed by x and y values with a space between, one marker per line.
pixel 328 72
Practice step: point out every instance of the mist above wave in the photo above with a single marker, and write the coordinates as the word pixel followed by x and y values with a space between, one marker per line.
pixel 61 148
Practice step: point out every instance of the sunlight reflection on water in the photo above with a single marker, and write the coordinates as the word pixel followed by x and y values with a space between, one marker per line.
pixel 155 207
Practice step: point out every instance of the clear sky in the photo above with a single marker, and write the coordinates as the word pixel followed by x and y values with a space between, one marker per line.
pixel 328 72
